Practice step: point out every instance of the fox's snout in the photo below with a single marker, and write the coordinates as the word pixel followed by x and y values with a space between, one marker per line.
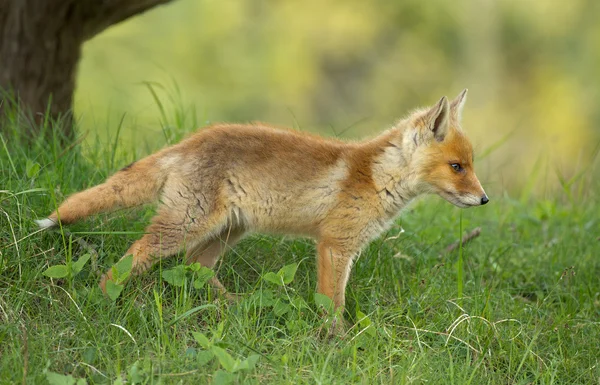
pixel 460 188
pixel 464 200
pixel 466 192
pixel 475 200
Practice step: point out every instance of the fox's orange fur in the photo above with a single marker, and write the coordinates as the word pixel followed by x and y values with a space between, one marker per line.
pixel 229 180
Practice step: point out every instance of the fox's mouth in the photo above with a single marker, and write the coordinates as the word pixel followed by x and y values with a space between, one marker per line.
pixel 460 200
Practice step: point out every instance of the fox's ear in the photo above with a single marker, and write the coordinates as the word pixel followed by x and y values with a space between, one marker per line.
pixel 438 119
pixel 457 104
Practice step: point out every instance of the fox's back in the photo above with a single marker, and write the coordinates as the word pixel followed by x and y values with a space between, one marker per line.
pixel 262 147
pixel 277 179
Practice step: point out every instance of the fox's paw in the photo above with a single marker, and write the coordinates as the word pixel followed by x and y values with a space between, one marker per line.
pixel 45 223
pixel 336 327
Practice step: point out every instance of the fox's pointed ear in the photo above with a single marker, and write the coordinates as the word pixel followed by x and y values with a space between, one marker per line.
pixel 457 104
pixel 438 119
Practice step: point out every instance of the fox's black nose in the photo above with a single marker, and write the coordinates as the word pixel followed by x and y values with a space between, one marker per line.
pixel 484 199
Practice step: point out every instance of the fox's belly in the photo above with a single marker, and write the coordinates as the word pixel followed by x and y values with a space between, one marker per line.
pixel 285 218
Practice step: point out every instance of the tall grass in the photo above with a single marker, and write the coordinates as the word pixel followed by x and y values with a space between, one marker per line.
pixel 527 308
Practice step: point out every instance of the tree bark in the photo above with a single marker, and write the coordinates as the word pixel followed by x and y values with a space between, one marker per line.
pixel 40 47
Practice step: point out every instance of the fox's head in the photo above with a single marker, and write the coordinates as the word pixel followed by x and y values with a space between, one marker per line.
pixel 443 155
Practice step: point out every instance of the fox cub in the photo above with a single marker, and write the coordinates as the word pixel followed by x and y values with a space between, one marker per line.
pixel 230 180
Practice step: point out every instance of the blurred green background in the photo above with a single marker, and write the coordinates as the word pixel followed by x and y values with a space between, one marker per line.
pixel 351 68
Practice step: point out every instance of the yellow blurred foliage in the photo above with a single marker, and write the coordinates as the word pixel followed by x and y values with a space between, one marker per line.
pixel 353 67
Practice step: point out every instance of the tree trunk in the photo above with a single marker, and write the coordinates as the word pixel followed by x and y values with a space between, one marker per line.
pixel 40 46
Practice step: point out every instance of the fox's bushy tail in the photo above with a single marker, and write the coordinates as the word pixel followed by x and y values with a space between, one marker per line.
pixel 139 183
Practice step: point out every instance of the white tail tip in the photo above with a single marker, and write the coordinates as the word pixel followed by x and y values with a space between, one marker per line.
pixel 45 223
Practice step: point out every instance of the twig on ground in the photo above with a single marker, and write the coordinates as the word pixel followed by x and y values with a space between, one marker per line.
pixel 468 237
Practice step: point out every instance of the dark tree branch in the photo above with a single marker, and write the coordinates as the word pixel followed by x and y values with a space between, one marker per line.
pixel 103 14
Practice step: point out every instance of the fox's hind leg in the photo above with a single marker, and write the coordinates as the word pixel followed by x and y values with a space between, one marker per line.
pixel 208 253
pixel 171 232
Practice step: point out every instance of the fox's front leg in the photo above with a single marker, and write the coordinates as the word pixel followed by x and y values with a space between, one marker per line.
pixel 334 261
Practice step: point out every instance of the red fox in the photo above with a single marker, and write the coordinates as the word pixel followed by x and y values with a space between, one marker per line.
pixel 229 180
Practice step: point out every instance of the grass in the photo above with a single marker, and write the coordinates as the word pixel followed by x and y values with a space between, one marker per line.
pixel 529 311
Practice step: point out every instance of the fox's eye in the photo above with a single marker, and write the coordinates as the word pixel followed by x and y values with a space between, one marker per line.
pixel 456 167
